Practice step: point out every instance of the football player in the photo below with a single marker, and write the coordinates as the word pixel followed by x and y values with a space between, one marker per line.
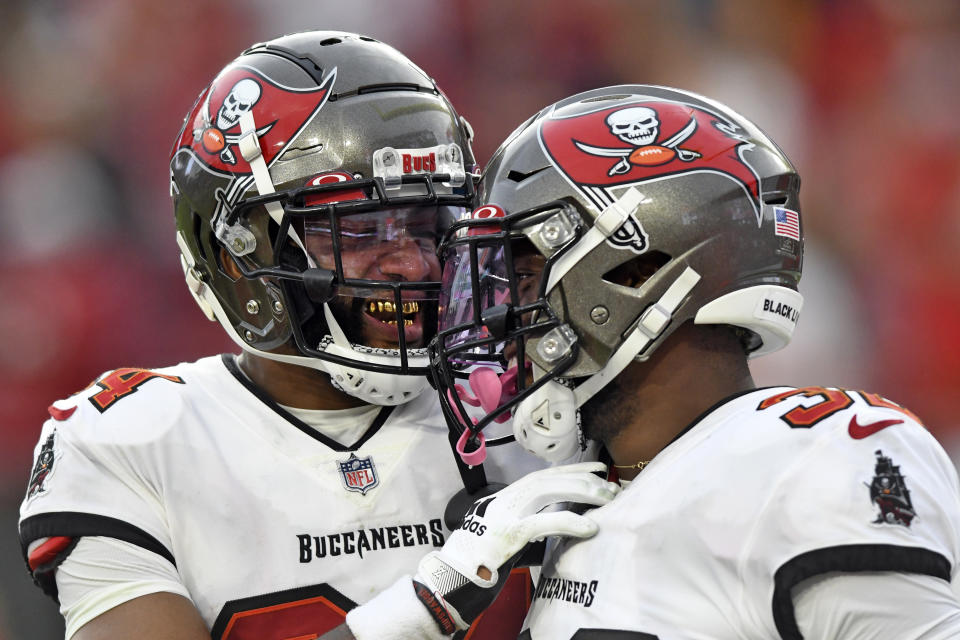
pixel 263 496
pixel 637 245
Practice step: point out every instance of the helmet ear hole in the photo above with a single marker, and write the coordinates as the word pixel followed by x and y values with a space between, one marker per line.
pixel 228 265
pixel 633 273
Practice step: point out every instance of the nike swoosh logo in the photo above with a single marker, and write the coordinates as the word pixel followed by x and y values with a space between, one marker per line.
pixel 859 431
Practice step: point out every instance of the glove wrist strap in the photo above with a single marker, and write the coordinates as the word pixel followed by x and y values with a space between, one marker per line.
pixel 436 607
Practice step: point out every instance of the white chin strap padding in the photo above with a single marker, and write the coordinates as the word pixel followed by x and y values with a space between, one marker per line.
pixel 545 423
pixel 374 387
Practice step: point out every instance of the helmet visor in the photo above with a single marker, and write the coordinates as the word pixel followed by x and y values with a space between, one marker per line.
pixel 388 271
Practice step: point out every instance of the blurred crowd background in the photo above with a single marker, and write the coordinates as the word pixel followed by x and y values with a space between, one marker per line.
pixel 863 95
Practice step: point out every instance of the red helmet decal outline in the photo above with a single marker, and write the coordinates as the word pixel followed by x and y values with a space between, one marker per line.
pixel 332 177
pixel 644 140
pixel 212 130
pixel 482 213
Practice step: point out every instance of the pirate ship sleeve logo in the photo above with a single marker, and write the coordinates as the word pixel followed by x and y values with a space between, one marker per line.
pixel 42 468
pixel 888 491
pixel 603 151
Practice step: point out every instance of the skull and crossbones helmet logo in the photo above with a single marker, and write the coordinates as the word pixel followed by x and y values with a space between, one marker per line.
pixel 635 125
pixel 640 128
pixel 241 99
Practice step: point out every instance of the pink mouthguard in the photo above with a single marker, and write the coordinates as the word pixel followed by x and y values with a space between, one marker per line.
pixel 489 389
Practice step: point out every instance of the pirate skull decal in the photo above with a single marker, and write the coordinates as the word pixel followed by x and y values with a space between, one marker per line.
pixel 212 130
pixel 241 99
pixel 634 125
pixel 640 127
pixel 602 150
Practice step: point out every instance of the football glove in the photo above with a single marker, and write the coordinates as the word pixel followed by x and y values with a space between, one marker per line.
pixel 495 532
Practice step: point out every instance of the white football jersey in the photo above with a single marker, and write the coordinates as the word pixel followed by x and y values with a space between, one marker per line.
pixel 765 490
pixel 275 530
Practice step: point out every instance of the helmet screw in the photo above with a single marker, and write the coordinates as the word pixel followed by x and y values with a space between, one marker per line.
pixel 238 244
pixel 248 335
pixel 551 232
pixel 277 307
pixel 599 314
pixel 551 347
pixel 253 307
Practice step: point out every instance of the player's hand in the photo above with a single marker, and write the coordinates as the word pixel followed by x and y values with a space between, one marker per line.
pixel 495 531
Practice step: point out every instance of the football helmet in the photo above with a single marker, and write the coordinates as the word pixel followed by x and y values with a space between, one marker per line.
pixel 324 165
pixel 640 208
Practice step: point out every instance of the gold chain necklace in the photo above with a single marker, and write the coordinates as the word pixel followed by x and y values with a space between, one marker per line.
pixel 638 466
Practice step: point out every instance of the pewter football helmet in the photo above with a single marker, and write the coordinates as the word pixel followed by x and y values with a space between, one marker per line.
pixel 644 207
pixel 305 160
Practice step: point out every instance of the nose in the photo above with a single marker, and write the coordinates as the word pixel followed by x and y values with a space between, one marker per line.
pixel 407 261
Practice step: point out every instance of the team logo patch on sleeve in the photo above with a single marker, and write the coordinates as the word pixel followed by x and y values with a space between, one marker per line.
pixel 889 492
pixel 42 468
pixel 358 474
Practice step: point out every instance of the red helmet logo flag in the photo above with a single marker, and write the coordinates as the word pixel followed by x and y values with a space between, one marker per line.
pixel 212 130
pixel 643 141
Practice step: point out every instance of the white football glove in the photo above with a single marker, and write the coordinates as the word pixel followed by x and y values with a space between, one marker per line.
pixel 496 530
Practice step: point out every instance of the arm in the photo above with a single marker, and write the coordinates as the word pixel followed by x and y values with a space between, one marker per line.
pixel 157 616
pixel 108 588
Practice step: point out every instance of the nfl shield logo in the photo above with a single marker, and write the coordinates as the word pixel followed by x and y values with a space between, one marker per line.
pixel 358 474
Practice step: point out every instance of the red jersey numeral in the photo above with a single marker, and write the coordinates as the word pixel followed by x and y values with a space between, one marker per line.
pixel 307 613
pixel 123 382
pixel 831 401
pixel 876 400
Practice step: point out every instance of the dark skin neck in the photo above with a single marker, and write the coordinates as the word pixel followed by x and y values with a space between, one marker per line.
pixel 692 370
pixel 293 385
pixel 289 384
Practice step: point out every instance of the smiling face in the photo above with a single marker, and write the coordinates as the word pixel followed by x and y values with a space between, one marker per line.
pixel 386 246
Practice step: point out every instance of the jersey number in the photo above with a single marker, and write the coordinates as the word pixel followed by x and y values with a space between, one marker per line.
pixel 830 402
pixel 308 612
pixel 121 383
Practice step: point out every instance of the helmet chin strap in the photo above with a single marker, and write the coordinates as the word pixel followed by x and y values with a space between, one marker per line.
pixel 604 225
pixel 545 423
pixel 249 144
pixel 370 386
pixel 385 389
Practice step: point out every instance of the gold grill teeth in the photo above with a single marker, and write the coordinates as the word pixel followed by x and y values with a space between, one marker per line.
pixel 381 306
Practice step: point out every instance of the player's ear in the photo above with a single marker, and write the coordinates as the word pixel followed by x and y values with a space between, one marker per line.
pixel 229 265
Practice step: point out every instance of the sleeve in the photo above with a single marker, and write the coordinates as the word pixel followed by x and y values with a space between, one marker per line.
pixel 877 606
pixel 93 475
pixel 878 499
pixel 102 573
